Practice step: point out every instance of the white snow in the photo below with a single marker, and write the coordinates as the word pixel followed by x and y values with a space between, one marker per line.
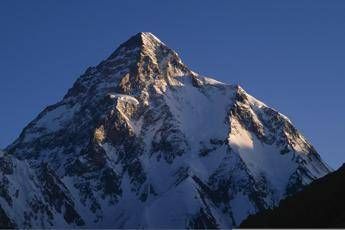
pixel 57 118
pixel 262 159
pixel 212 81
pixel 124 97
pixel 241 207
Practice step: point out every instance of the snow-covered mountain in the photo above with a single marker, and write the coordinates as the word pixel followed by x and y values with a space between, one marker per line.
pixel 142 141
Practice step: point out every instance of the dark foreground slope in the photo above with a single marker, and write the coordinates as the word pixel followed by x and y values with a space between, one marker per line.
pixel 321 205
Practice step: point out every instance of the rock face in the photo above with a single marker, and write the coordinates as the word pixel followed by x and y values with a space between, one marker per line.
pixel 142 141
pixel 319 205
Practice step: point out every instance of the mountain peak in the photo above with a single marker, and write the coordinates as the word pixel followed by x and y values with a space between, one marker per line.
pixel 142 40
pixel 148 37
pixel 131 67
pixel 141 45
pixel 140 131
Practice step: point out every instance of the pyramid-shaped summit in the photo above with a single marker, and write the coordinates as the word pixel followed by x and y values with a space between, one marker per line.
pixel 137 62
pixel 143 43
pixel 142 39
pixel 141 141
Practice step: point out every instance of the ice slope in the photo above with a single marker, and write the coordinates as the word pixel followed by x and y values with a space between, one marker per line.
pixel 141 141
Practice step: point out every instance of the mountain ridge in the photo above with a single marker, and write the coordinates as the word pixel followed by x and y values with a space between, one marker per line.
pixel 140 131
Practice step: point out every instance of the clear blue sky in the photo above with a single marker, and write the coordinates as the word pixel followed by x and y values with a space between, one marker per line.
pixel 289 54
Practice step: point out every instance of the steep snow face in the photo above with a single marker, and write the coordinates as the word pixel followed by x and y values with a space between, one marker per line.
pixel 259 132
pixel 141 141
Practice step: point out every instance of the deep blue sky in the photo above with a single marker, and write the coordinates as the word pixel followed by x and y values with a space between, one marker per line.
pixel 289 54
